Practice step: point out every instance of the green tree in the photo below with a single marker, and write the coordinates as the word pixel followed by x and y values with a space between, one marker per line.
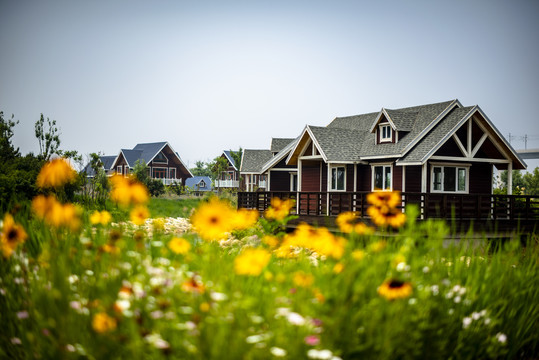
pixel 531 182
pixel 201 169
pixel 141 171
pixel 217 166
pixel 518 182
pixel 7 150
pixel 48 137
pixel 236 155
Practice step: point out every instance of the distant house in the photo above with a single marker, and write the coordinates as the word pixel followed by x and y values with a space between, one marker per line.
pixel 229 177
pixel 252 162
pixel 199 184
pixel 107 161
pixel 163 162
pixel 280 175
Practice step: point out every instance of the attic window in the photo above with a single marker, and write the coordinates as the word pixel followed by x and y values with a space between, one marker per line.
pixel 160 158
pixel 202 184
pixel 385 133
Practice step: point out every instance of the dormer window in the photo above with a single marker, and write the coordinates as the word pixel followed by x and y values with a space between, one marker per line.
pixel 160 158
pixel 202 184
pixel 385 133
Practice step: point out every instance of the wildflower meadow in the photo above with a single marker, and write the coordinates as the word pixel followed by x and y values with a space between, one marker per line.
pixel 77 283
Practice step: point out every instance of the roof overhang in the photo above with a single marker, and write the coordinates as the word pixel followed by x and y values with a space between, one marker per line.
pixel 279 156
pixel 382 113
pixel 301 144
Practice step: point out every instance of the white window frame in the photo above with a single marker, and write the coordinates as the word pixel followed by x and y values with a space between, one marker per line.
pixel 158 167
pixel 170 170
pixel 389 131
pixel 456 166
pixel 119 169
pixel 386 165
pixel 157 161
pixel 202 184
pixel 331 185
pixel 292 175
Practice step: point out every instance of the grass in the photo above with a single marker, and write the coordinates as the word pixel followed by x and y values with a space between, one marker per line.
pixel 466 302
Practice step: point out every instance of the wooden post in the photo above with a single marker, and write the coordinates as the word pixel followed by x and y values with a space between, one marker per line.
pixel 510 178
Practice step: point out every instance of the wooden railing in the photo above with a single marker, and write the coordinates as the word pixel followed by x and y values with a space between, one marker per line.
pixel 445 206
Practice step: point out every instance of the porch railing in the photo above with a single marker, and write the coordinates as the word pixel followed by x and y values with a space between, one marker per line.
pixel 227 183
pixel 169 181
pixel 445 206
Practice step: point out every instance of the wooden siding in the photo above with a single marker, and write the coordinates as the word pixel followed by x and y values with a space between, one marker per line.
pixel 480 181
pixel 310 176
pixel 349 177
pixel 363 177
pixel 413 179
pixel 324 169
pixel 279 180
pixel 397 178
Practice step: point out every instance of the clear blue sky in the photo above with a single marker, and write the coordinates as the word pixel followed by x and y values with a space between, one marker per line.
pixel 209 76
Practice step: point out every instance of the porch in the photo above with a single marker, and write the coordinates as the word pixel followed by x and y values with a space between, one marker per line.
pixel 227 183
pixel 485 211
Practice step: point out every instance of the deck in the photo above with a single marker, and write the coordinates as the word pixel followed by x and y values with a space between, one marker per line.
pixel 484 212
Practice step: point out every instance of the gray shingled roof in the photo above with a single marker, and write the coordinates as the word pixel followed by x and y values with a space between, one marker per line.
pixel 436 134
pixel 131 156
pixel 343 146
pixel 228 154
pixel 253 160
pixel 148 150
pixel 107 160
pixel 277 144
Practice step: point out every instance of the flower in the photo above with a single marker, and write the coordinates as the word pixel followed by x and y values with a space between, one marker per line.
pixel 303 280
pixel 312 340
pixel 358 254
pixel 55 173
pixel 179 245
pixel 279 209
pixel 127 190
pixel 139 214
pixel 213 219
pixel 251 262
pixel 55 213
pixel 386 216
pixel 193 285
pixel 278 352
pixel 502 338
pixel 100 217
pixel 384 198
pixel 395 289
pixel 245 218
pixel 103 323
pixel 13 234
pixel 347 223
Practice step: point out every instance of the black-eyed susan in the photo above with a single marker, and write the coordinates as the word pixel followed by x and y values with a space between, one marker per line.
pixel 55 173
pixel 384 198
pixel 385 216
pixel 193 285
pixel 139 214
pixel 279 209
pixel 102 323
pixel 55 213
pixel 244 219
pixel 100 217
pixel 13 234
pixel 251 261
pixel 348 223
pixel 127 190
pixel 213 219
pixel 395 289
pixel 179 245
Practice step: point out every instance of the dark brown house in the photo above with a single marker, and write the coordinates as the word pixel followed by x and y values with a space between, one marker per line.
pixel 162 161
pixel 436 148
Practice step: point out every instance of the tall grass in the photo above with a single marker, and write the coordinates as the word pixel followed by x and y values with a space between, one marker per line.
pixel 469 300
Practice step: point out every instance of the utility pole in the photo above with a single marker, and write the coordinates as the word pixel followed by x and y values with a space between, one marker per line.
pixel 526 142
pixel 509 138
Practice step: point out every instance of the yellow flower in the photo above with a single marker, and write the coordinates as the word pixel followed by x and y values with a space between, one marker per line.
pixel 271 241
pixel 13 234
pixel 358 255
pixel 179 245
pixel 213 219
pixel 251 261
pixel 302 279
pixel 55 213
pixel 338 268
pixel 100 217
pixel 139 214
pixel 279 209
pixel 395 289
pixel 103 323
pixel 399 258
pixel 55 173
pixel 386 216
pixel 384 198
pixel 127 190
pixel 193 285
pixel 111 249
pixel 204 307
pixel 347 223
pixel 245 219
pixel 377 246
pixel 158 224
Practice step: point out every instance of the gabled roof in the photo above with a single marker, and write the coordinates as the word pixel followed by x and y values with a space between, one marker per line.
pixel 252 161
pixel 107 160
pixel 196 180
pixel 131 156
pixel 230 158
pixel 279 156
pixel 277 144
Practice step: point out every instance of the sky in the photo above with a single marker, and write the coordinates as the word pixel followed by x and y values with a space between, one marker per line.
pixel 209 76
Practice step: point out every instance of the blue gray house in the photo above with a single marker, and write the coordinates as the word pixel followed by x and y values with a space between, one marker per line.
pixel 199 183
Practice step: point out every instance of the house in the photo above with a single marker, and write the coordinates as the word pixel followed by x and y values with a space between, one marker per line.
pixel 230 176
pixel 163 162
pixel 252 162
pixel 198 184
pixel 436 148
pixel 280 175
pixel 106 161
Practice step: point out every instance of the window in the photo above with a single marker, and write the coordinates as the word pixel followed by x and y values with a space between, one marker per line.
pixel 202 184
pixel 385 133
pixel 293 182
pixel 119 169
pixel 449 179
pixel 172 173
pixel 337 178
pixel 382 179
pixel 160 158
pixel 159 173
